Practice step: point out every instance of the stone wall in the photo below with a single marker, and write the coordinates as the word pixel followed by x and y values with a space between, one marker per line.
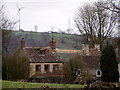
pixel 86 51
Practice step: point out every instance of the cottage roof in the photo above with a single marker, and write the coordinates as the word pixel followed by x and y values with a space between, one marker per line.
pixel 42 55
pixel 92 62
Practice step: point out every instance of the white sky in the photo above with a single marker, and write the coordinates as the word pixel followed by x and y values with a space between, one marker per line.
pixel 44 13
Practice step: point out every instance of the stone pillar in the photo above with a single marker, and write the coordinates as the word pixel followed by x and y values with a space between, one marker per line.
pixel 51 67
pixel 32 69
pixel 60 66
pixel 53 44
pixel 23 43
pixel 97 47
pixel 85 49
pixel 42 68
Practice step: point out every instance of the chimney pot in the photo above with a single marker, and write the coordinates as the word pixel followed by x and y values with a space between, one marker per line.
pixel 23 43
pixel 85 49
pixel 53 44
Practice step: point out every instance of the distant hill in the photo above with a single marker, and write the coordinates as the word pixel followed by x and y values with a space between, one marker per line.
pixel 42 39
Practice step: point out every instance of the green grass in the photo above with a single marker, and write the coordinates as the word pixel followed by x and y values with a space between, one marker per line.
pixel 13 84
pixel 40 38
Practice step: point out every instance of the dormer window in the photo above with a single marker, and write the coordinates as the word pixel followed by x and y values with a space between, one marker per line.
pixel 98 73
pixel 78 72
pixel 40 51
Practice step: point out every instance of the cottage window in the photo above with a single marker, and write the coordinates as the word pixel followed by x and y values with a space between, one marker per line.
pixel 55 68
pixel 38 67
pixel 47 68
pixel 42 51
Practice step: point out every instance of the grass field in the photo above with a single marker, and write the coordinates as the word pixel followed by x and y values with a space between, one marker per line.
pixel 64 41
pixel 13 84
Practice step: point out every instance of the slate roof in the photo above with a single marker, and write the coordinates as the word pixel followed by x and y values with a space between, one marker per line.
pixel 42 55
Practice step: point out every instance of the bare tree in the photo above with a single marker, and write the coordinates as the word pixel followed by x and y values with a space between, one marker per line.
pixel 95 22
pixel 6 26
pixel 113 5
pixel 5 22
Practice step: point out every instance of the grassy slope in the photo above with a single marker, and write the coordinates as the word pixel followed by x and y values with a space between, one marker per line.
pixel 12 84
pixel 41 38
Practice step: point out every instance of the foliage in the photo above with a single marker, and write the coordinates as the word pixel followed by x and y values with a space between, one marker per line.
pixel 109 65
pixel 15 66
pixel 11 84
pixel 71 66
pixel 6 23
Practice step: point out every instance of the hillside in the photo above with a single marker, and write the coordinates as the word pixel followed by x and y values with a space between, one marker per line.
pixel 37 39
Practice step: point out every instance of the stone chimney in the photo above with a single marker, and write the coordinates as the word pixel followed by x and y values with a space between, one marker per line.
pixel 97 47
pixel 85 49
pixel 23 43
pixel 53 44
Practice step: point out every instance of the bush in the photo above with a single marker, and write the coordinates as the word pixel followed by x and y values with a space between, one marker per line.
pixel 71 68
pixel 15 66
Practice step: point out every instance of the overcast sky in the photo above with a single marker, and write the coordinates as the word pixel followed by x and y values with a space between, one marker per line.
pixel 45 13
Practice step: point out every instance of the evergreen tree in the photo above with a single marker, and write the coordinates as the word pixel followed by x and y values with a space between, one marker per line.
pixel 109 65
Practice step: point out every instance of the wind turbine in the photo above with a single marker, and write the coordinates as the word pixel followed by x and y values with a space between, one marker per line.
pixel 69 26
pixel 19 12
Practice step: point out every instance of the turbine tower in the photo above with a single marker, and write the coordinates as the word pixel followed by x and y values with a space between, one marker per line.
pixel 19 12
pixel 69 30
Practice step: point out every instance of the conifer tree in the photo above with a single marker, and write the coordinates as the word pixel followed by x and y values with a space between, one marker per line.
pixel 109 65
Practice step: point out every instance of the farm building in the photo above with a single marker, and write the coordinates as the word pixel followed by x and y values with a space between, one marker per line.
pixel 44 62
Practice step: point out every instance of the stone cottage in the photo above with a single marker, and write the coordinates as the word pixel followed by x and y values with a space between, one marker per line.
pixel 43 61
pixel 46 61
pixel 90 56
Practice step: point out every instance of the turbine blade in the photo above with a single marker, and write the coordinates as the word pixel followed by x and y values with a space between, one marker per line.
pixel 17 12
pixel 17 6
pixel 21 8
